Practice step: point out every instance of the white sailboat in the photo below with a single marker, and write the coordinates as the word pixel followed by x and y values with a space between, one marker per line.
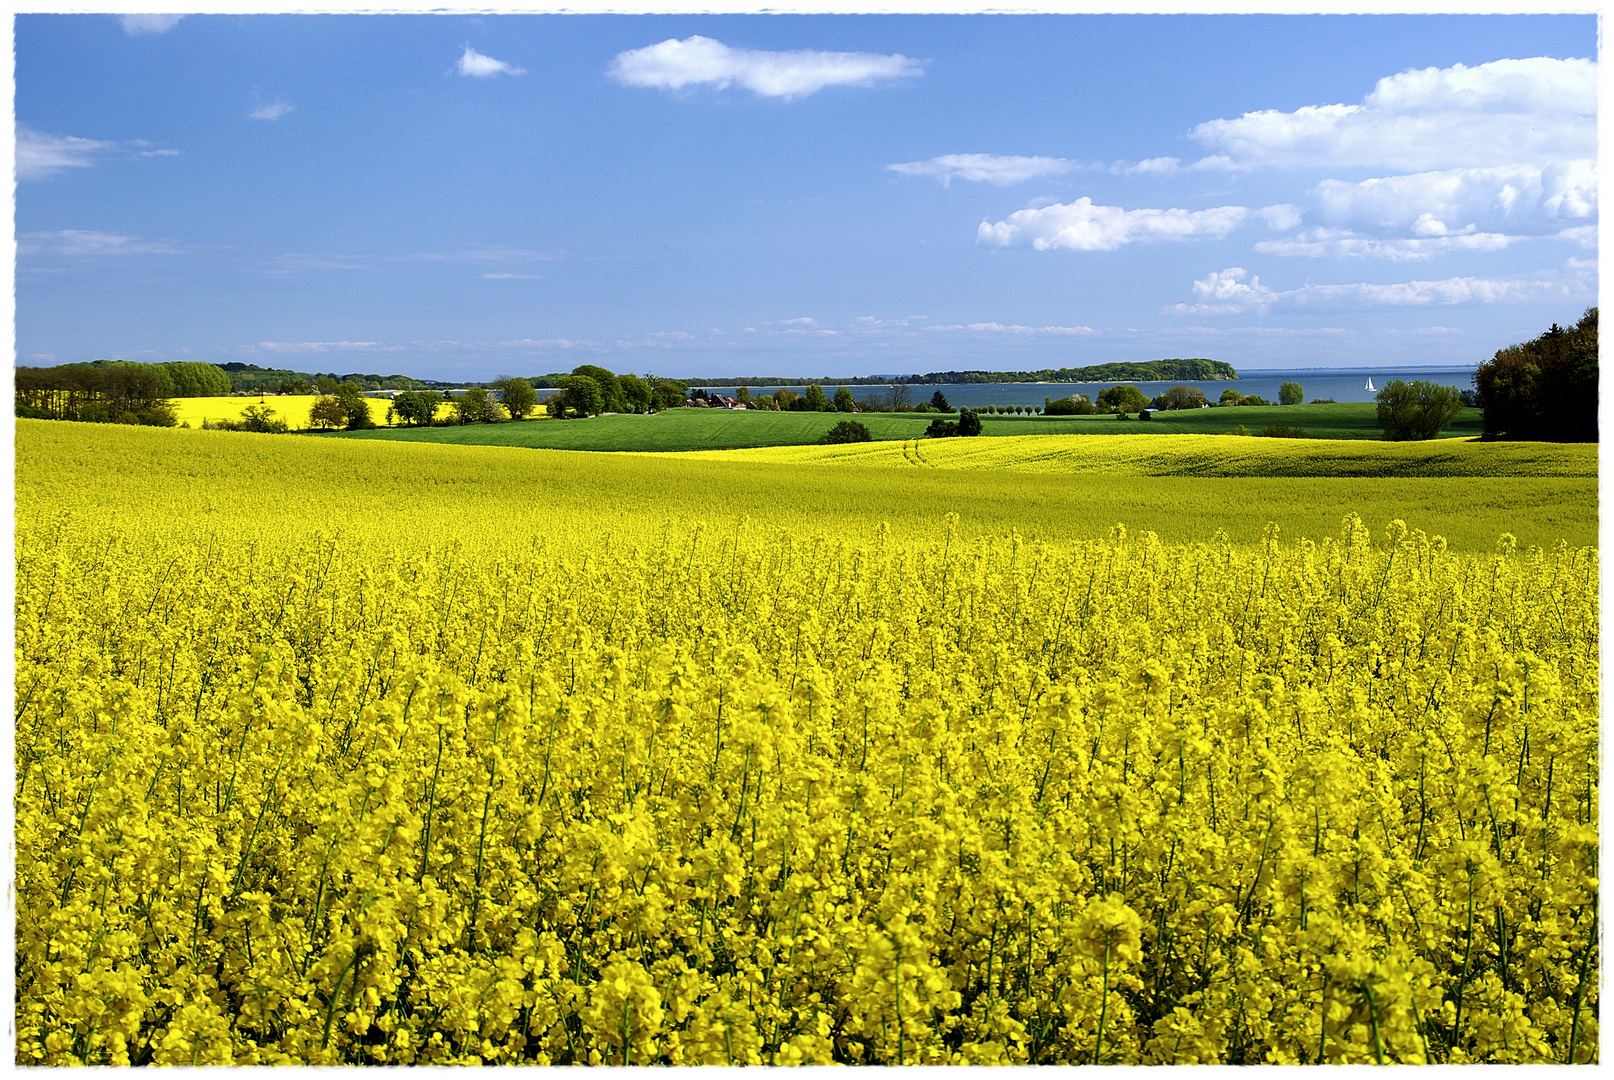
pixel 1370 383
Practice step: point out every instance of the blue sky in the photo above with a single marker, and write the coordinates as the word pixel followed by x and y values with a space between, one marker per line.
pixel 455 196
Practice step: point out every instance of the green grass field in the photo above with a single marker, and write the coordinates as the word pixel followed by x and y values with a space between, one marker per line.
pixel 722 429
pixel 226 489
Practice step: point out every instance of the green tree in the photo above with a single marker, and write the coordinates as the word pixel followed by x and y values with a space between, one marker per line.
pixel 262 419
pixel 1229 396
pixel 1179 397
pixel 1545 388
pixel 476 406
pixel 1416 410
pixel 417 408
pixel 1291 393
pixel 192 379
pixel 579 395
pixel 847 431
pixel 1124 398
pixel 844 402
pixel 324 385
pixel 516 395
pixel 667 393
pixel 611 399
pixel 326 413
pixel 814 399
pixel 938 401
pixel 355 407
pixel 969 423
pixel 636 396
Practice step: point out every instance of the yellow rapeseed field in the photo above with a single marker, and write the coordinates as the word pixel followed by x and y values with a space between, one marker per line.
pixel 292 408
pixel 1196 455
pixel 693 795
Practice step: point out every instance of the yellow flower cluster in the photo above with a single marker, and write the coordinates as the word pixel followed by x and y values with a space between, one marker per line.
pixel 802 799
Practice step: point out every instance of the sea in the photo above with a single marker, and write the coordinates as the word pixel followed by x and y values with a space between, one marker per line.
pixel 1340 384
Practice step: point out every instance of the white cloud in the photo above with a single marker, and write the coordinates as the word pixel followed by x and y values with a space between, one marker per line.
pixel 135 25
pixel 1082 226
pixel 82 242
pixel 696 61
pixel 1015 328
pixel 1161 166
pixel 998 169
pixel 272 112
pixel 805 320
pixel 477 66
pixel 325 346
pixel 1344 244
pixel 1227 292
pixel 1535 110
pixel 1517 198
pixel 1584 235
pixel 40 155
pixel 1280 217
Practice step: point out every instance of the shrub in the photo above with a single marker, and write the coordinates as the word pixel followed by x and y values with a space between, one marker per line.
pixel 847 431
pixel 1283 431
pixel 969 422
pixel 1179 397
pixel 1124 398
pixel 941 429
pixel 1416 410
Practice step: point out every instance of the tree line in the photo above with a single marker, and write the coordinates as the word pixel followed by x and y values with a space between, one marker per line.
pixel 1545 388
pixel 114 391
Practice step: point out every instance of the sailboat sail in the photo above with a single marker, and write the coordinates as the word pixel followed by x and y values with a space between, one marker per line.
pixel 1370 382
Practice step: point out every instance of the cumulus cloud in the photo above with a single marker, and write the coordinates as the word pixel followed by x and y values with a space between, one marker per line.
pixel 1344 244
pixel 135 25
pixel 1083 226
pixel 272 112
pixel 475 65
pixel 88 242
pixel 702 61
pixel 999 169
pixel 1538 200
pixel 1234 292
pixel 1536 110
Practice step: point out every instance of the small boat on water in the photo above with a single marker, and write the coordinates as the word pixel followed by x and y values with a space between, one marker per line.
pixel 1370 382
